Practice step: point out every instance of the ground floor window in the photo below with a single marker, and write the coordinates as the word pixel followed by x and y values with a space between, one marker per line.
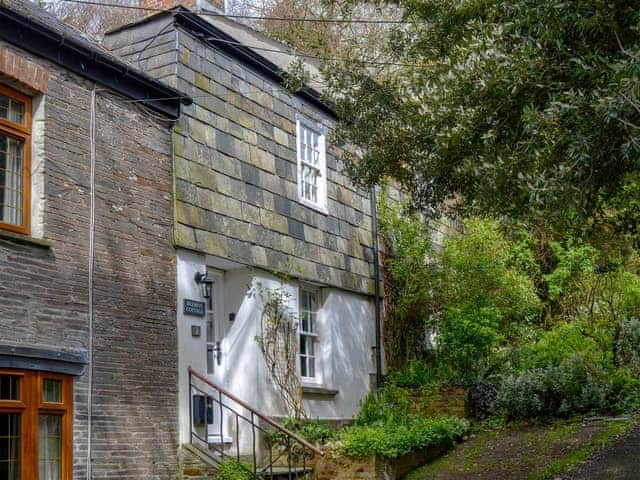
pixel 36 421
pixel 308 327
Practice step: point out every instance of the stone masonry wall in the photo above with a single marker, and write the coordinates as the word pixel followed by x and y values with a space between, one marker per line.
pixel 44 285
pixel 236 171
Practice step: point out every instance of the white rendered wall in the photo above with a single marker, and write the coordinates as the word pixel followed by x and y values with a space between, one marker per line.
pixel 190 350
pixel 344 356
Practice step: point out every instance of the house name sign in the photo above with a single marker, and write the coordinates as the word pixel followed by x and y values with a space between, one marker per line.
pixel 193 307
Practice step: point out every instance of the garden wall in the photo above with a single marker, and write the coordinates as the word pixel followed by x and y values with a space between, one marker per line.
pixel 332 467
pixel 450 401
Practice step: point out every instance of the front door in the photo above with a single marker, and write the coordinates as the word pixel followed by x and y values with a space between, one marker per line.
pixel 215 359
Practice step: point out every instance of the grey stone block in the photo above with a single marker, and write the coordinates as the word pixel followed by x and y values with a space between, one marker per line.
pixel 254 195
pixel 250 174
pixel 225 143
pixel 296 229
pixel 286 169
pixel 282 205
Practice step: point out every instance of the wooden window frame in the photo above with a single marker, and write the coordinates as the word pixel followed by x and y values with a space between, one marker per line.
pixel 302 123
pixel 21 132
pixel 30 405
pixel 312 335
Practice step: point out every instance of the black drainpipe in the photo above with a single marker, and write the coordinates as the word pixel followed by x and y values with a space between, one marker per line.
pixel 376 275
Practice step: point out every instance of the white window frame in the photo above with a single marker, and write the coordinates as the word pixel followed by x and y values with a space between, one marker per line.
pixel 303 123
pixel 313 336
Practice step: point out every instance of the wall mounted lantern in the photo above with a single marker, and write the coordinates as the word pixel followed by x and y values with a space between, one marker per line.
pixel 206 284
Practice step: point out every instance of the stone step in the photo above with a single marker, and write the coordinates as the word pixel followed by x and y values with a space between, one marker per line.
pixel 282 473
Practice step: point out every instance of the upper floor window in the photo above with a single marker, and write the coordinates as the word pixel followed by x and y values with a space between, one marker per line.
pixel 15 142
pixel 312 165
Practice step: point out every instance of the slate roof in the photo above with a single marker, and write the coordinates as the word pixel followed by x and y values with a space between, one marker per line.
pixel 247 45
pixel 26 25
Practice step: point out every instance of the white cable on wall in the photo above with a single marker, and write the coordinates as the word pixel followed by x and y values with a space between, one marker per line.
pixel 92 225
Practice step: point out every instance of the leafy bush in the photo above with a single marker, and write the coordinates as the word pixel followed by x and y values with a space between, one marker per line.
pixel 576 386
pixel 411 276
pixel 484 294
pixel 392 440
pixel 388 404
pixel 231 469
pixel 482 269
pixel 314 431
pixel 482 399
pixel 628 343
pixel 555 346
pixel 467 337
pixel 415 375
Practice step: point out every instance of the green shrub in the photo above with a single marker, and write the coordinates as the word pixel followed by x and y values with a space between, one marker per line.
pixel 482 398
pixel 314 431
pixel 554 347
pixel 386 405
pixel 231 469
pixel 484 295
pixel 467 337
pixel 576 386
pixel 392 440
pixel 415 375
pixel 628 344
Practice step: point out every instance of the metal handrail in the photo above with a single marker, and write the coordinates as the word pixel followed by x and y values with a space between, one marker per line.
pixel 265 419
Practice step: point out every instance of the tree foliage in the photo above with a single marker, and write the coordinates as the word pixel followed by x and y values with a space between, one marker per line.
pixel 290 22
pixel 523 109
pixel 484 297
pixel 94 19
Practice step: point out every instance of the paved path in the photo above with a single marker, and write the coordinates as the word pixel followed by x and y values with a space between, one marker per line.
pixel 619 460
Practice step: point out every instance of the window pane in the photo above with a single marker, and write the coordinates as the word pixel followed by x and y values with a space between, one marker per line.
pixel 4 106
pixel 16 113
pixel 312 367
pixel 210 329
pixel 210 359
pixel 303 366
pixel 10 446
pixel 9 388
pixel 11 171
pixel 312 323
pixel 312 302
pixel 51 390
pixel 11 109
pixel 49 437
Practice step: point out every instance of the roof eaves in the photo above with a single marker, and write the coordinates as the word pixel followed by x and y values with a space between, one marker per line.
pixel 209 33
pixel 89 62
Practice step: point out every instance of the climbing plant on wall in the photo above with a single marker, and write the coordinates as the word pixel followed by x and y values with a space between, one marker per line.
pixel 277 339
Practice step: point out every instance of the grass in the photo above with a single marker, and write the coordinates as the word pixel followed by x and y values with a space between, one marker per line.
pixel 570 461
pixel 531 451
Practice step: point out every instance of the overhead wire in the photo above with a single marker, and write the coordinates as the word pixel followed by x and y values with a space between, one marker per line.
pixel 291 53
pixel 210 13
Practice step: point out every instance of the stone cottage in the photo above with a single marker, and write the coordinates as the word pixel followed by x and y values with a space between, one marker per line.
pixel 88 335
pixel 260 203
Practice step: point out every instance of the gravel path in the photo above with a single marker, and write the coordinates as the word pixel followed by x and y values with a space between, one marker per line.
pixel 619 460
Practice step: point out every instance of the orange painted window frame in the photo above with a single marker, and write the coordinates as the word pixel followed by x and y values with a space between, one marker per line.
pixel 22 132
pixel 30 405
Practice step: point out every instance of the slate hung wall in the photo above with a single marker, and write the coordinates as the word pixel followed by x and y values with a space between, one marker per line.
pixel 44 280
pixel 236 168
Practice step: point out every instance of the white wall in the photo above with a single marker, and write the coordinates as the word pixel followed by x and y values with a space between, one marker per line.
pixel 344 356
pixel 349 321
pixel 190 350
